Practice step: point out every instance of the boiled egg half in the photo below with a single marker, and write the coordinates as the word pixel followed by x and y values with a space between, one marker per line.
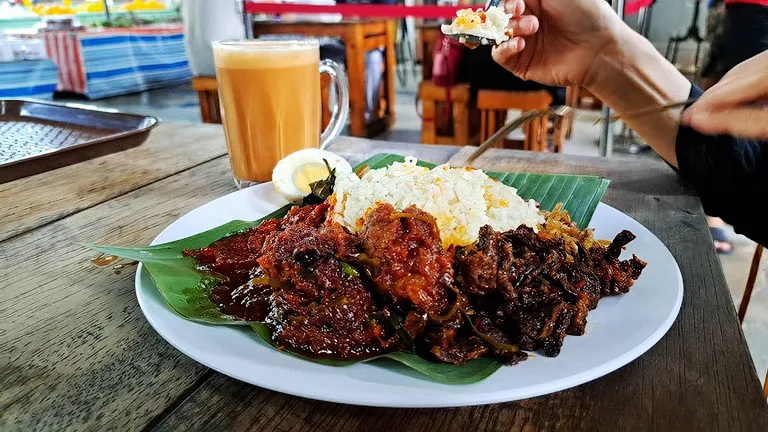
pixel 295 172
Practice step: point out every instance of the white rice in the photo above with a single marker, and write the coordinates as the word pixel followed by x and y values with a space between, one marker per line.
pixel 494 27
pixel 462 200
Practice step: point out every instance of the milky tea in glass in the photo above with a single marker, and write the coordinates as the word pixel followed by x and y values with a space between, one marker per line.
pixel 270 102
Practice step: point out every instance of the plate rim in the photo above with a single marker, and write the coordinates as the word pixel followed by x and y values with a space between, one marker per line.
pixel 309 392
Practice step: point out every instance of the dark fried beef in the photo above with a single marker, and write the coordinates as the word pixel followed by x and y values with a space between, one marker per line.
pixel 500 343
pixel 544 291
pixel 450 345
pixel 477 267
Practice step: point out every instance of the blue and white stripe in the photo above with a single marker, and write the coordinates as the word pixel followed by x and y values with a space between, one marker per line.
pixel 119 64
pixel 29 79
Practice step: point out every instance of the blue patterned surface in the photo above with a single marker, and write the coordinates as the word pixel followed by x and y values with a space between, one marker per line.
pixel 33 79
pixel 120 64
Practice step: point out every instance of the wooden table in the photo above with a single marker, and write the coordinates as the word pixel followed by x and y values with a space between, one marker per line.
pixel 77 353
pixel 359 37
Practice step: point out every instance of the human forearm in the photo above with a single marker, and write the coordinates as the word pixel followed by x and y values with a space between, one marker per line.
pixel 629 74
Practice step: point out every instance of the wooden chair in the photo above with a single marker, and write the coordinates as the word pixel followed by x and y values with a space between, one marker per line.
pixel 463 127
pixel 493 106
pixel 747 296
pixel 208 94
pixel 575 97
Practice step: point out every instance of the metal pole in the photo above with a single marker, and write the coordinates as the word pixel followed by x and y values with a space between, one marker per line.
pixel 247 19
pixel 606 137
pixel 106 11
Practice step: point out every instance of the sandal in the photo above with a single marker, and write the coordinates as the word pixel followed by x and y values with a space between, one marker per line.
pixel 722 245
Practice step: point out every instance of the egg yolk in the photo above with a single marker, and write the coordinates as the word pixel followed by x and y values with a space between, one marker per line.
pixel 309 173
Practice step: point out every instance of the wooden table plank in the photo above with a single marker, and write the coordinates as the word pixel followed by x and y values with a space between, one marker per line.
pixel 77 353
pixel 698 377
pixel 40 199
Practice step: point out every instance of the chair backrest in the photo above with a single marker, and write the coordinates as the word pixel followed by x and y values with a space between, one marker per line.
pixel 208 95
pixel 521 100
pixel 494 104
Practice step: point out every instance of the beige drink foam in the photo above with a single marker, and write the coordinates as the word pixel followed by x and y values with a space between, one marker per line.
pixel 265 54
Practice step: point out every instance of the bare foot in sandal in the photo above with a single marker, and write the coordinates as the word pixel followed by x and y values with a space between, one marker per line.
pixel 720 237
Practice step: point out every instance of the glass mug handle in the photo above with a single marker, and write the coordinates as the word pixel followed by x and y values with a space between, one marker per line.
pixel 340 111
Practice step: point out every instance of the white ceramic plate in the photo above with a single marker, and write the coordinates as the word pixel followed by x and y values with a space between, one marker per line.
pixel 620 329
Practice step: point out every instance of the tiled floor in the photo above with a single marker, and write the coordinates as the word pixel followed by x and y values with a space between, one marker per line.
pixel 180 104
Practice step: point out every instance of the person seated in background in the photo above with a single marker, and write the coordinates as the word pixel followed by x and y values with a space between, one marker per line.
pixel 205 22
pixel 736 30
pixel 485 74
pixel 716 144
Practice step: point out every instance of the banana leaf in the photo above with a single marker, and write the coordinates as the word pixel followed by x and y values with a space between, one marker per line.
pixel 186 289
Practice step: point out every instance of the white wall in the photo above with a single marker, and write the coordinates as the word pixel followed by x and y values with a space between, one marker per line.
pixel 673 17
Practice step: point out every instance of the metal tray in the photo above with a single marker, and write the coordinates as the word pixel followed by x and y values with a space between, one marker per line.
pixel 36 137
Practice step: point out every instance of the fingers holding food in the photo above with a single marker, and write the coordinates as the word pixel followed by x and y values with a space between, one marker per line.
pixel 525 25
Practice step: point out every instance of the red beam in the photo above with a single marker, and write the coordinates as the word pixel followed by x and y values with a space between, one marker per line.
pixel 632 7
pixel 355 10
pixel 384 11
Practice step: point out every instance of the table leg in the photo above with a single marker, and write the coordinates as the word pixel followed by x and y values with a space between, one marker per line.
pixel 426 61
pixel 205 109
pixel 428 125
pixel 353 40
pixel 391 63
pixel 325 105
pixel 460 124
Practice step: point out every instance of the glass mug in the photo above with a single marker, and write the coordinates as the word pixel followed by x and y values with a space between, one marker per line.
pixel 269 93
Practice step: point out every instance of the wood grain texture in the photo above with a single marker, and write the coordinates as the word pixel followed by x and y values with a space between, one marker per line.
pixel 698 377
pixel 77 352
pixel 170 148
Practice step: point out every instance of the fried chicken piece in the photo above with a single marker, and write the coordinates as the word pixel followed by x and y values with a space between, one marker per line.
pixel 317 309
pixel 406 259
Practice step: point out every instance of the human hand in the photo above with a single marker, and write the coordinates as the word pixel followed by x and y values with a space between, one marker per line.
pixel 737 105
pixel 558 42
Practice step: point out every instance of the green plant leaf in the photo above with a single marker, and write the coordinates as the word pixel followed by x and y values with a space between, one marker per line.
pixel 181 284
pixel 186 289
pixel 471 372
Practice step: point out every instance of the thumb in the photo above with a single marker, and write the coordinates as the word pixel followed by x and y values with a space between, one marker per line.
pixel 741 121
